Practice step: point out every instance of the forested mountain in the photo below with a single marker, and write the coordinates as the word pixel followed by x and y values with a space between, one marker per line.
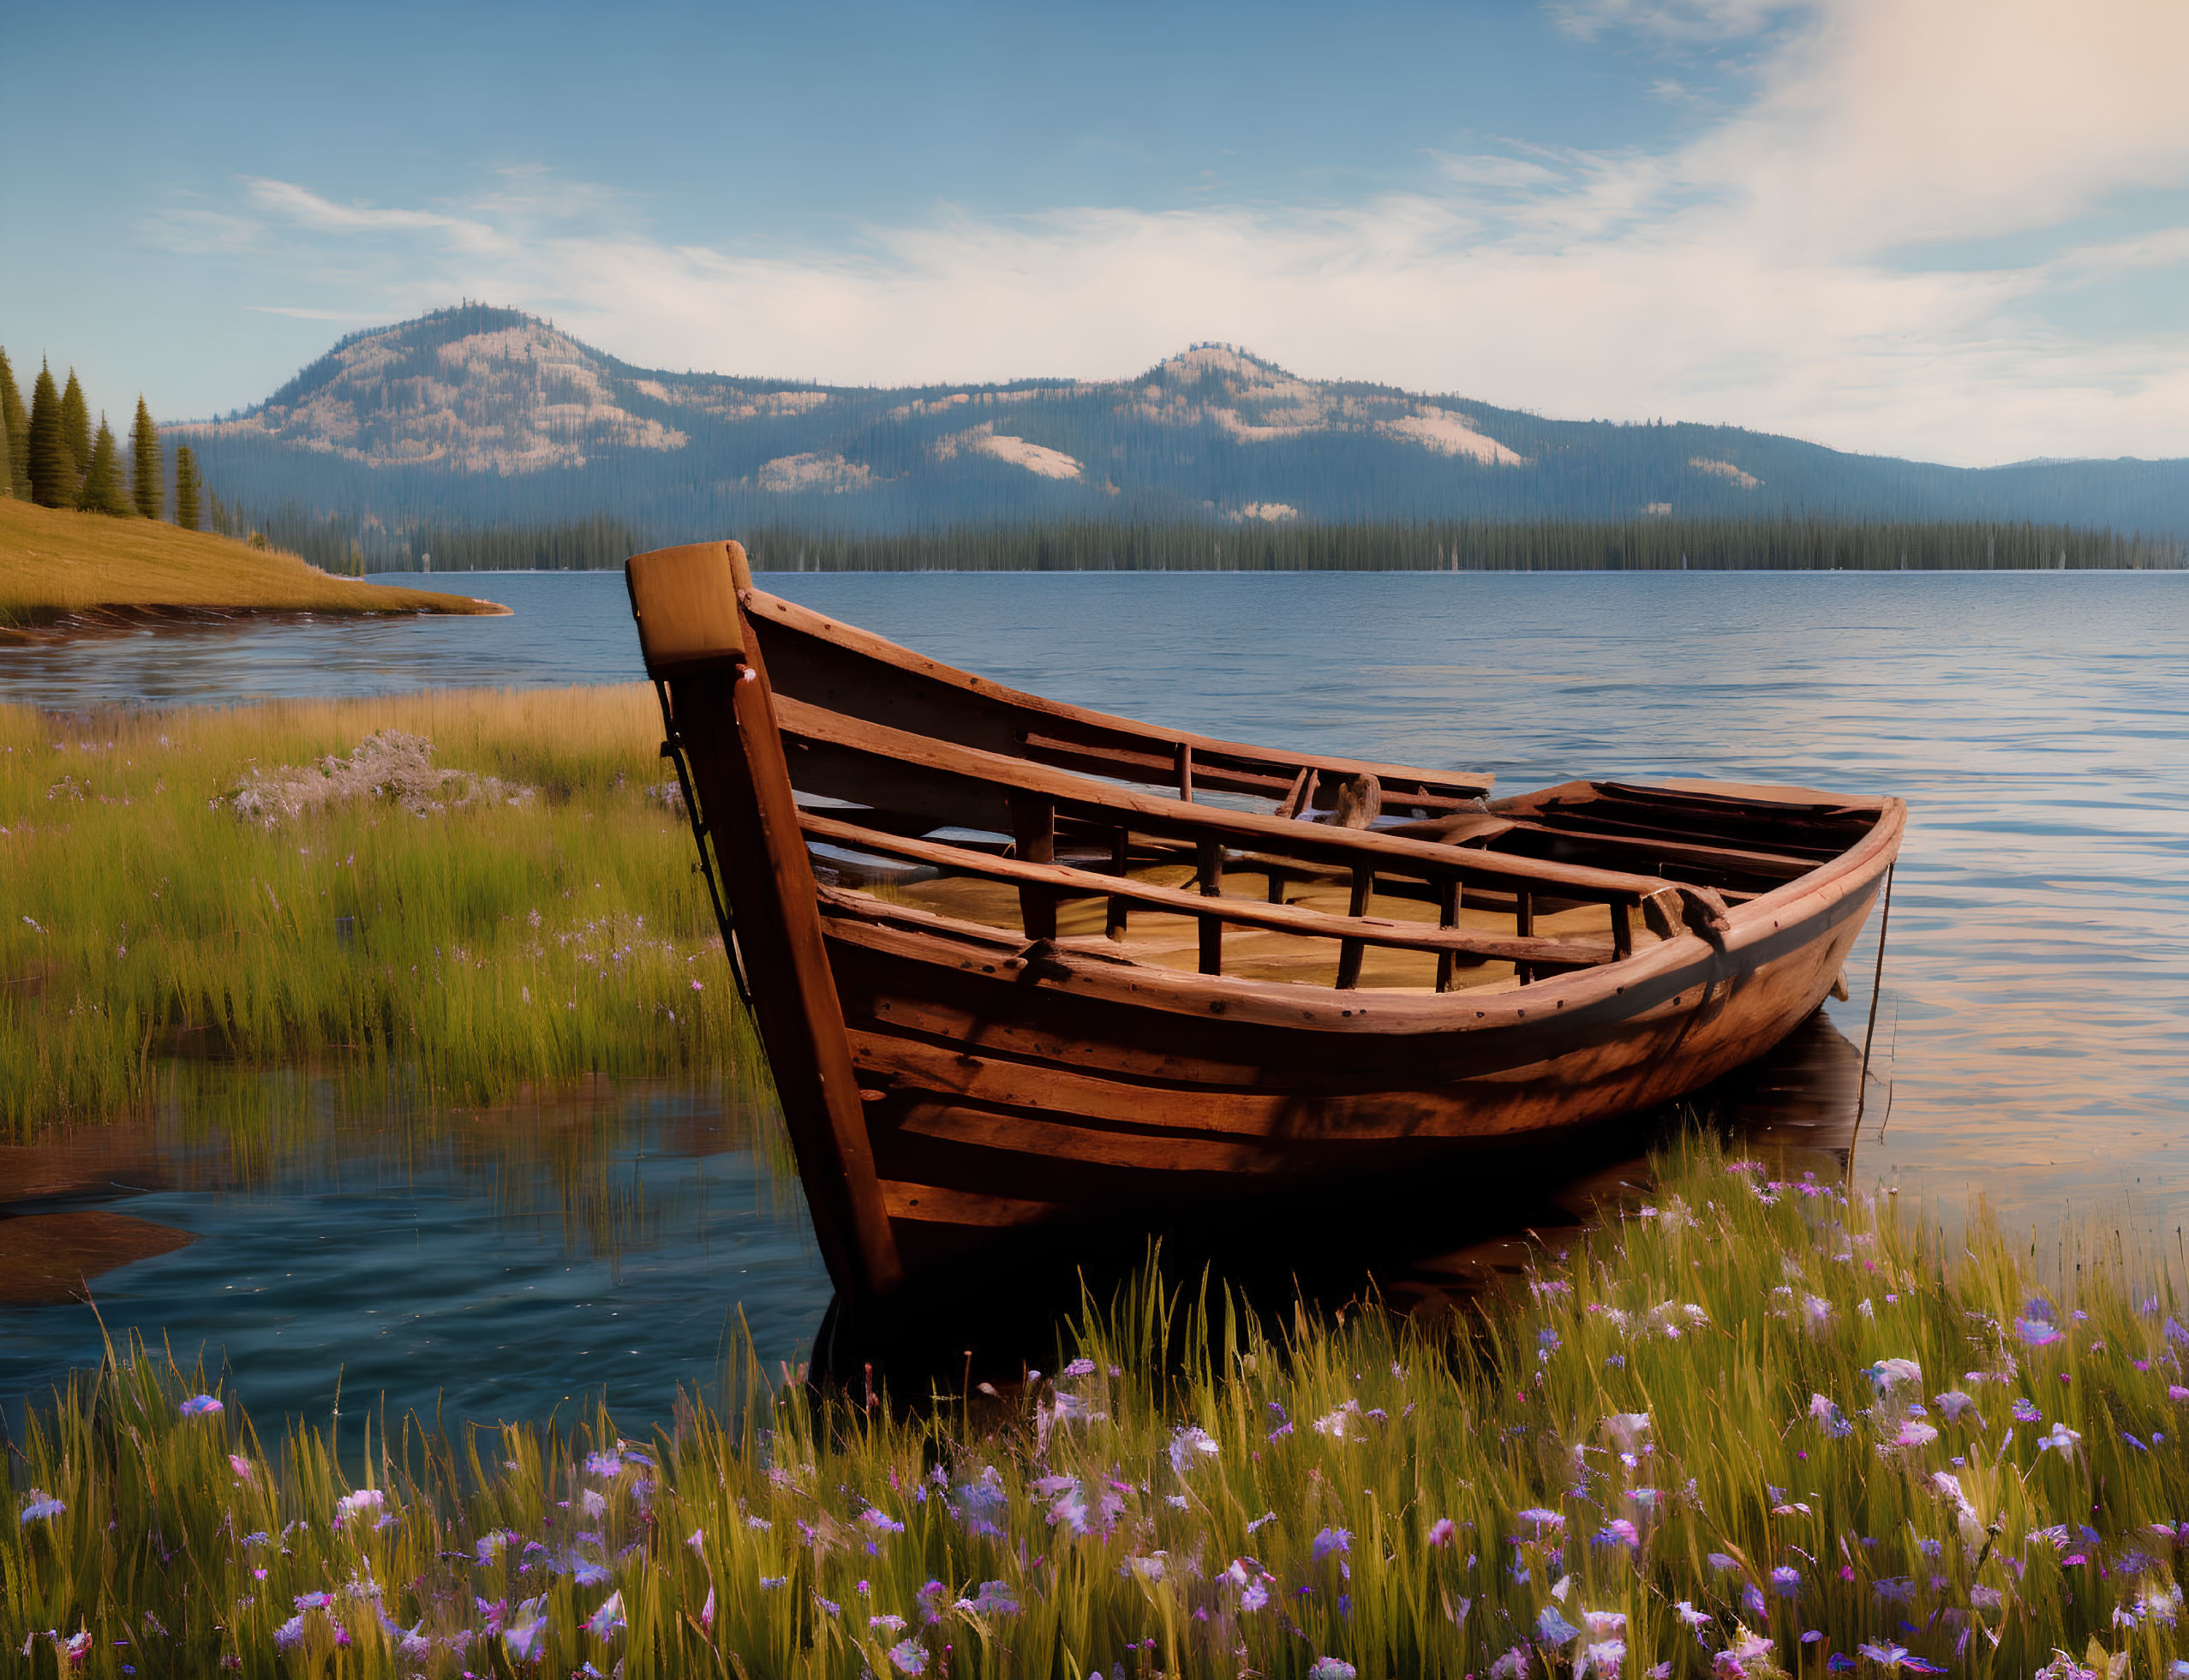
pixel 478 416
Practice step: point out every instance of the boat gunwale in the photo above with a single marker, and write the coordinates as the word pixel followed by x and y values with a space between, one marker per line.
pixel 868 644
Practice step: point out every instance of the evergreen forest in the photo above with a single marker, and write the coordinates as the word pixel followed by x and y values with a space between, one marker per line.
pixel 1787 542
pixel 51 455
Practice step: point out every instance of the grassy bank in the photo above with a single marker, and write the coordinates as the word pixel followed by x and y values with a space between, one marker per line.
pixel 1751 1429
pixel 57 565
pixel 244 882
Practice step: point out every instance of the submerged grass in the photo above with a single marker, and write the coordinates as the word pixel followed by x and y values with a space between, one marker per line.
pixel 1753 1429
pixel 150 910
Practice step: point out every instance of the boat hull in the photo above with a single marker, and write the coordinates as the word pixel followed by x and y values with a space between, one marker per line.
pixel 1001 1093
pixel 1053 1031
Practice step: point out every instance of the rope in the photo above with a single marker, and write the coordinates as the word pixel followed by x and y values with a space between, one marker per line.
pixel 1876 986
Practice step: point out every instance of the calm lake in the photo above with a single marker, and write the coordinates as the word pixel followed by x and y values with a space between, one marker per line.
pixel 2033 1025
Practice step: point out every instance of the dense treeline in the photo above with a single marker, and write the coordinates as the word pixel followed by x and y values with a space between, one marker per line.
pixel 581 545
pixel 344 543
pixel 49 455
pixel 1788 543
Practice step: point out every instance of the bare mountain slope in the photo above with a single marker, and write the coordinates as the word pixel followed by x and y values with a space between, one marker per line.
pixel 477 415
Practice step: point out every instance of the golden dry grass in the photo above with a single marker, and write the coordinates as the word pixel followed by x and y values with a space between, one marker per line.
pixel 56 565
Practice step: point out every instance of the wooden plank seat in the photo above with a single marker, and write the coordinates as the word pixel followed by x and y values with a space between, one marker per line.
pixel 1547 953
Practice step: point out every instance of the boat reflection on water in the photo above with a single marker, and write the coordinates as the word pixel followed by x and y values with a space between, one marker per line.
pixel 1426 1243
pixel 296 1225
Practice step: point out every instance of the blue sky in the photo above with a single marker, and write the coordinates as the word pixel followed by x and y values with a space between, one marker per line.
pixel 1936 228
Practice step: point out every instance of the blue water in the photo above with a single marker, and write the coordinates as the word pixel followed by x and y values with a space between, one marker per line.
pixel 2034 1021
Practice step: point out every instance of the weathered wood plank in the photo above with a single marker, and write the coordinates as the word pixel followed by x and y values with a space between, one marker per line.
pixel 936 1204
pixel 1033 827
pixel 1280 918
pixel 715 701
pixel 1151 814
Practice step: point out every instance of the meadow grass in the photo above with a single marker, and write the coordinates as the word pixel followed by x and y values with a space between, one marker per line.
pixel 151 911
pixel 1752 1428
pixel 55 562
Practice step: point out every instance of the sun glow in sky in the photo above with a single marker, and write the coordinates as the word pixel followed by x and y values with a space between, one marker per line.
pixel 1955 230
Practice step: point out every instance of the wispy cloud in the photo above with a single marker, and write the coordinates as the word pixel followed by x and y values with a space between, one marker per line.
pixel 1784 266
pixel 285 201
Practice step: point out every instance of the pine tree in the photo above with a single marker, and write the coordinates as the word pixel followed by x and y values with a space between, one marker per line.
pixel 52 472
pixel 75 426
pixel 186 488
pixel 148 473
pixel 16 423
pixel 220 520
pixel 102 487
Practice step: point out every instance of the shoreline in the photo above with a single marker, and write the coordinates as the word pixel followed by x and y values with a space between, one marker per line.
pixel 1748 1426
pixel 50 625
pixel 65 574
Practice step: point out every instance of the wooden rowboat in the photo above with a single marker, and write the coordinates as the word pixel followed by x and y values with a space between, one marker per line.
pixel 1019 964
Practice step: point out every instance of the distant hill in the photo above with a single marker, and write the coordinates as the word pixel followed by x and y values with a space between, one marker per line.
pixel 484 416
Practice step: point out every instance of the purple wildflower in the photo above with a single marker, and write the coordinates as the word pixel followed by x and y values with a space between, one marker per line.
pixel 364 1499
pixel 1440 1532
pixel 996 1597
pixel 201 1406
pixel 40 1506
pixel 1954 1406
pixel 1189 1443
pixel 1329 1541
pixel 1889 1374
pixel 1542 1521
pixel 1330 1668
pixel 2025 1412
pixel 1553 1628
pixel 2036 1332
pixel 607 1621
pixel 908 1656
pixel 1786 1581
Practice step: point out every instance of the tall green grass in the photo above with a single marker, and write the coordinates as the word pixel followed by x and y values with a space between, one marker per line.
pixel 480 946
pixel 1725 1435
